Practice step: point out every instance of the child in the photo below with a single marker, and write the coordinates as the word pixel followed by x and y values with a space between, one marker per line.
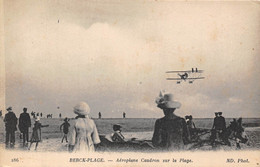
pixel 117 136
pixel 36 134
pixel 65 126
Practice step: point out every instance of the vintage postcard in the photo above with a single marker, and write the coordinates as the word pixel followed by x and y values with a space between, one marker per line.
pixel 129 83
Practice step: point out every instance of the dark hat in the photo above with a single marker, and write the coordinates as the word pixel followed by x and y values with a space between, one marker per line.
pixel 9 108
pixel 66 119
pixel 117 127
pixel 220 113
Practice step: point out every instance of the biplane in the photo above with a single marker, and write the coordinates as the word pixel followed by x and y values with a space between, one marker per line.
pixel 190 75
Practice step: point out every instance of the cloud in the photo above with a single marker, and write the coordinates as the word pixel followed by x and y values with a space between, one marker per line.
pixel 235 100
pixel 123 65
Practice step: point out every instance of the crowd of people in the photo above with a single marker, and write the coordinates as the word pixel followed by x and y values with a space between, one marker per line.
pixel 171 132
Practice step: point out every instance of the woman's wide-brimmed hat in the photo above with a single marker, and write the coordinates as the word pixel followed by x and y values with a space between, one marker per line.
pixel 166 101
pixel 82 108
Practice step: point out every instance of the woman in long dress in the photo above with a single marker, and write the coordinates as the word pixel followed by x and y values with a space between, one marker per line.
pixel 170 132
pixel 83 134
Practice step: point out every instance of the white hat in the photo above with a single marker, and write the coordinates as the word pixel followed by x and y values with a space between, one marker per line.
pixel 37 118
pixel 82 108
pixel 166 101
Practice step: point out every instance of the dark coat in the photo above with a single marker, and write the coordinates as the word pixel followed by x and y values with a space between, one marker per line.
pixel 24 122
pixel 170 134
pixel 219 123
pixel 10 121
pixel 65 126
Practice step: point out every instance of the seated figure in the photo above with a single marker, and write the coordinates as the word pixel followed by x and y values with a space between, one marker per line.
pixel 117 135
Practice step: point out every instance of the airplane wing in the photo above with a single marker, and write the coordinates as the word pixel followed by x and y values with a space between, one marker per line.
pixel 196 78
pixel 176 71
pixel 188 71
pixel 173 78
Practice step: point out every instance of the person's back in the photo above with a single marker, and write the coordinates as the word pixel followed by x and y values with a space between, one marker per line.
pixel 170 133
pixel 84 135
pixel 66 126
pixel 24 120
pixel 222 123
pixel 217 123
pixel 10 121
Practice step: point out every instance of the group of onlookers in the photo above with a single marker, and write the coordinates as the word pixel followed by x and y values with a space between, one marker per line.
pixel 24 123
pixel 170 132
pixel 11 126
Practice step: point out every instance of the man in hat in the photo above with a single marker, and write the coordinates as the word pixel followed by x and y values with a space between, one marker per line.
pixel 219 127
pixel 170 132
pixel 24 124
pixel 219 122
pixel 216 121
pixel 10 126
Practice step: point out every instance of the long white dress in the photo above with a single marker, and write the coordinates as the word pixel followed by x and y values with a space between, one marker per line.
pixel 83 135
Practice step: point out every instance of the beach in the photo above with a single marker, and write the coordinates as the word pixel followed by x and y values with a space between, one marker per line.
pixel 139 128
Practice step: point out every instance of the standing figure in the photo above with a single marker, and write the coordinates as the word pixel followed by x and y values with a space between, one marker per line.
pixel 83 134
pixel 99 115
pixel 124 114
pixel 191 127
pixel 170 132
pixel 222 122
pixel 216 121
pixel 219 129
pixel 36 134
pixel 41 114
pixel 60 115
pixel 10 127
pixel 65 126
pixel 24 124
pixel 215 127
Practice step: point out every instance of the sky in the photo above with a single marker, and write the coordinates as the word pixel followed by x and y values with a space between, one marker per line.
pixel 114 55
